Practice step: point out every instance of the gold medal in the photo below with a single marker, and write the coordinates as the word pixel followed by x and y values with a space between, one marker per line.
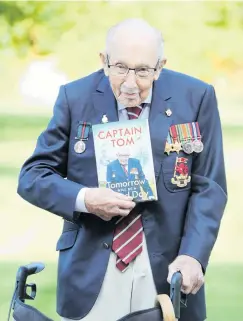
pixel 168 148
pixel 79 147
pixel 177 147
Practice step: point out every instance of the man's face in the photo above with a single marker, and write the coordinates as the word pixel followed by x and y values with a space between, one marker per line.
pixel 131 90
pixel 123 157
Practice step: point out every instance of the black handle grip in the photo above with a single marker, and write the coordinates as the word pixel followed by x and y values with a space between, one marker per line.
pixel 21 277
pixel 176 296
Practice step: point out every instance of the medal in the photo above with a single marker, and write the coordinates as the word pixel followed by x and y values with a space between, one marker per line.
pixel 188 147
pixel 168 145
pixel 82 134
pixel 186 137
pixel 168 148
pixel 134 171
pixel 177 147
pixel 197 146
pixel 79 147
pixel 181 172
pixel 197 143
pixel 175 137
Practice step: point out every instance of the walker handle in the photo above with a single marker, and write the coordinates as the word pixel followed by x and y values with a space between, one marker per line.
pixel 178 298
pixel 21 277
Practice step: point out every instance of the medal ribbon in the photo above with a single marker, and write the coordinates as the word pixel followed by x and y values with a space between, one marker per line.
pixel 189 134
pixel 184 132
pixel 169 140
pixel 173 133
pixel 83 131
pixel 196 131
pixel 181 130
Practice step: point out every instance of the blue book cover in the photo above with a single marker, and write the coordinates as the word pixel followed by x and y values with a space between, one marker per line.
pixel 124 158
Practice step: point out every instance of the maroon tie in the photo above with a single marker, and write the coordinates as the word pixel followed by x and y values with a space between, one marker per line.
pixel 128 236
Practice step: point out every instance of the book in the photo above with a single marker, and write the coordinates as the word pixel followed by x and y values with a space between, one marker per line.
pixel 124 158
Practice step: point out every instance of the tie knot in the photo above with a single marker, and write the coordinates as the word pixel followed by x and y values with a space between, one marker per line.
pixel 134 112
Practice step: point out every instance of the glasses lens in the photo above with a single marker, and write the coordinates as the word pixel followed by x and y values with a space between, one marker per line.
pixel 118 70
pixel 143 73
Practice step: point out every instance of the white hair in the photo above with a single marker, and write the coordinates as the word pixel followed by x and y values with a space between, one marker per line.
pixel 135 25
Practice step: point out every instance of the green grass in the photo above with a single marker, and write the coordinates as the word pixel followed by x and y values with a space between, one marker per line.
pixel 224 291
pixel 21 127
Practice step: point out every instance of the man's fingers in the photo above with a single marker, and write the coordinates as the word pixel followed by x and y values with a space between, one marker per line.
pixel 123 212
pixel 172 270
pixel 125 204
pixel 123 197
pixel 187 283
pixel 199 284
pixel 105 218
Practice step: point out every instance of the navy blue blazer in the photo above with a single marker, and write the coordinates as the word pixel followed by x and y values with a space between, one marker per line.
pixel 116 175
pixel 184 220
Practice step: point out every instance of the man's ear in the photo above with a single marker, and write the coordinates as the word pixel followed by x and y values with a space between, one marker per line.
pixel 161 66
pixel 104 62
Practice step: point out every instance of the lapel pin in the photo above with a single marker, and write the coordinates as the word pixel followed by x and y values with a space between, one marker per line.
pixel 168 112
pixel 104 119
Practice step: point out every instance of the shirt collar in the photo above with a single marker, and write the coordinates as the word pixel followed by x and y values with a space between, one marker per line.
pixel 147 100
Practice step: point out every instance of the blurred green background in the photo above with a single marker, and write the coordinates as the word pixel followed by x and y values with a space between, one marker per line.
pixel 46 44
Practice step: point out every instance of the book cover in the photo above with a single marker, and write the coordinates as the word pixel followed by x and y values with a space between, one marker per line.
pixel 124 158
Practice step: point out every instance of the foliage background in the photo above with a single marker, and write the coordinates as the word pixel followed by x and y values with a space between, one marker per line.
pixel 46 43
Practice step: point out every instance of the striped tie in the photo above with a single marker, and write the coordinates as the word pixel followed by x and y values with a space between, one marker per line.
pixel 134 112
pixel 128 236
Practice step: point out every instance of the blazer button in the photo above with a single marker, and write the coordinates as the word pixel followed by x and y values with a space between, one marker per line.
pixel 106 245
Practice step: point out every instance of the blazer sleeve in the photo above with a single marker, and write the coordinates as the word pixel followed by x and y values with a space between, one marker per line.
pixel 42 179
pixel 209 192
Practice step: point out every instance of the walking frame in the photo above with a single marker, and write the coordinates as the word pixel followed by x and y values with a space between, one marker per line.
pixel 167 308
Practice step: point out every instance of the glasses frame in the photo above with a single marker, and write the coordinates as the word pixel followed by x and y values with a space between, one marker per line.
pixel 135 69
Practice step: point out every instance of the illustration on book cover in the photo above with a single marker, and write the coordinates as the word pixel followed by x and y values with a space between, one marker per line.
pixel 124 158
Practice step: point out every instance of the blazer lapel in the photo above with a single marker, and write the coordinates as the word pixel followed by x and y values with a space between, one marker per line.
pixel 159 121
pixel 104 102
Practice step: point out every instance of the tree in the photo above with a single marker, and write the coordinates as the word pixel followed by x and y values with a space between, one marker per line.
pixel 35 25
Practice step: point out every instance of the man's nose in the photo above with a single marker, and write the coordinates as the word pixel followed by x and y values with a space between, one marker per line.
pixel 130 81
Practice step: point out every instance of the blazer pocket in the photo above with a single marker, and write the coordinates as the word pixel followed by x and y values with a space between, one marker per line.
pixel 66 240
pixel 176 171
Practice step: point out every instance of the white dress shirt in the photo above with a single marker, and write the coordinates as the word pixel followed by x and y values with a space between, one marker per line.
pixel 122 115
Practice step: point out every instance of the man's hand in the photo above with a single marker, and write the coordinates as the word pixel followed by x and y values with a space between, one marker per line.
pixel 106 203
pixel 191 270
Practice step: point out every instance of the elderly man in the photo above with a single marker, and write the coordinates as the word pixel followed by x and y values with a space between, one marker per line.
pixel 103 272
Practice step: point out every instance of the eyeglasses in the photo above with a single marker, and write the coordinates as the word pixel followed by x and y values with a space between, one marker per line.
pixel 122 70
